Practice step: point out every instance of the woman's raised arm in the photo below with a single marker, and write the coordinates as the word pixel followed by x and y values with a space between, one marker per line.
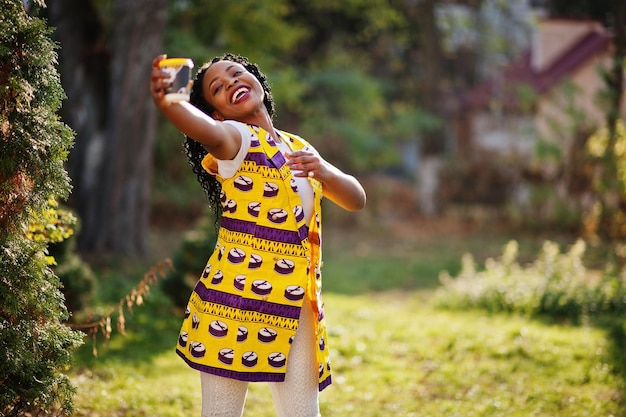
pixel 220 139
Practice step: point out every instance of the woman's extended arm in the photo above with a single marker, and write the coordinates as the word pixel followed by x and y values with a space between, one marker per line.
pixel 221 140
pixel 343 189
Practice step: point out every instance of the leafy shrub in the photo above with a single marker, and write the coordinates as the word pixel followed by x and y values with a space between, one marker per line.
pixel 77 278
pixel 57 227
pixel 189 261
pixel 36 345
pixel 556 285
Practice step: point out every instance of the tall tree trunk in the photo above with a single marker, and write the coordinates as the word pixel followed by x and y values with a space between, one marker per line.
pixel 138 36
pixel 616 77
pixel 611 222
pixel 429 61
pixel 84 67
pixel 110 109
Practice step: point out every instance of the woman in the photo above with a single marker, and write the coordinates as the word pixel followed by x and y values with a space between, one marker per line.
pixel 256 313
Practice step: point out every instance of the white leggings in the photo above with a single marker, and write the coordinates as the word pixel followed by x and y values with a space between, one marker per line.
pixel 297 396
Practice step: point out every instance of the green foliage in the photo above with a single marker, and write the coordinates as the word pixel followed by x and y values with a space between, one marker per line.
pixel 53 224
pixel 36 346
pixel 258 30
pixel 56 226
pixel 189 261
pixel 349 131
pixel 31 87
pixel 408 121
pixel 557 285
pixel 175 185
pixel 77 278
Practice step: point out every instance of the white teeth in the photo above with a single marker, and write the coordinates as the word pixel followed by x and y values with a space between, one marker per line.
pixel 239 93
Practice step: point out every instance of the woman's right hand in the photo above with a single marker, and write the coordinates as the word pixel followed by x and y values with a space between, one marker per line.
pixel 158 83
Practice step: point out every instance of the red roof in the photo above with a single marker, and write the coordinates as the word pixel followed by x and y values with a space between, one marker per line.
pixel 520 73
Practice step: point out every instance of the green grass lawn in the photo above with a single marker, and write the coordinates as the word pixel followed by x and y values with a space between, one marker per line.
pixel 393 352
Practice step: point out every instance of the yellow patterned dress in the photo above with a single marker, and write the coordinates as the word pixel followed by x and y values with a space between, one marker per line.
pixel 243 313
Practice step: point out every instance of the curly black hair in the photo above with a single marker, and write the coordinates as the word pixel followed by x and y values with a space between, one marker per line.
pixel 194 150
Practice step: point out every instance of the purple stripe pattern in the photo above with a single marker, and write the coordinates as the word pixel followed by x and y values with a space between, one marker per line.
pixel 242 376
pixel 264 232
pixel 246 304
pixel 278 160
pixel 245 376
pixel 258 158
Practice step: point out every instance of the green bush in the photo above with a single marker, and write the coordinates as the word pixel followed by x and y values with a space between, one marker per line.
pixel 35 344
pixel 556 285
pixel 58 226
pixel 189 261
pixel 77 278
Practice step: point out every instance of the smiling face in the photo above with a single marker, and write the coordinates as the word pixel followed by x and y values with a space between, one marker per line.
pixel 234 92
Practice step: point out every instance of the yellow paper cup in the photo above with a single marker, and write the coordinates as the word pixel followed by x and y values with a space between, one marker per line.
pixel 179 70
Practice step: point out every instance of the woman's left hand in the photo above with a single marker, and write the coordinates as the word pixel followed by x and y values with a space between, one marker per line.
pixel 305 163
pixel 341 188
